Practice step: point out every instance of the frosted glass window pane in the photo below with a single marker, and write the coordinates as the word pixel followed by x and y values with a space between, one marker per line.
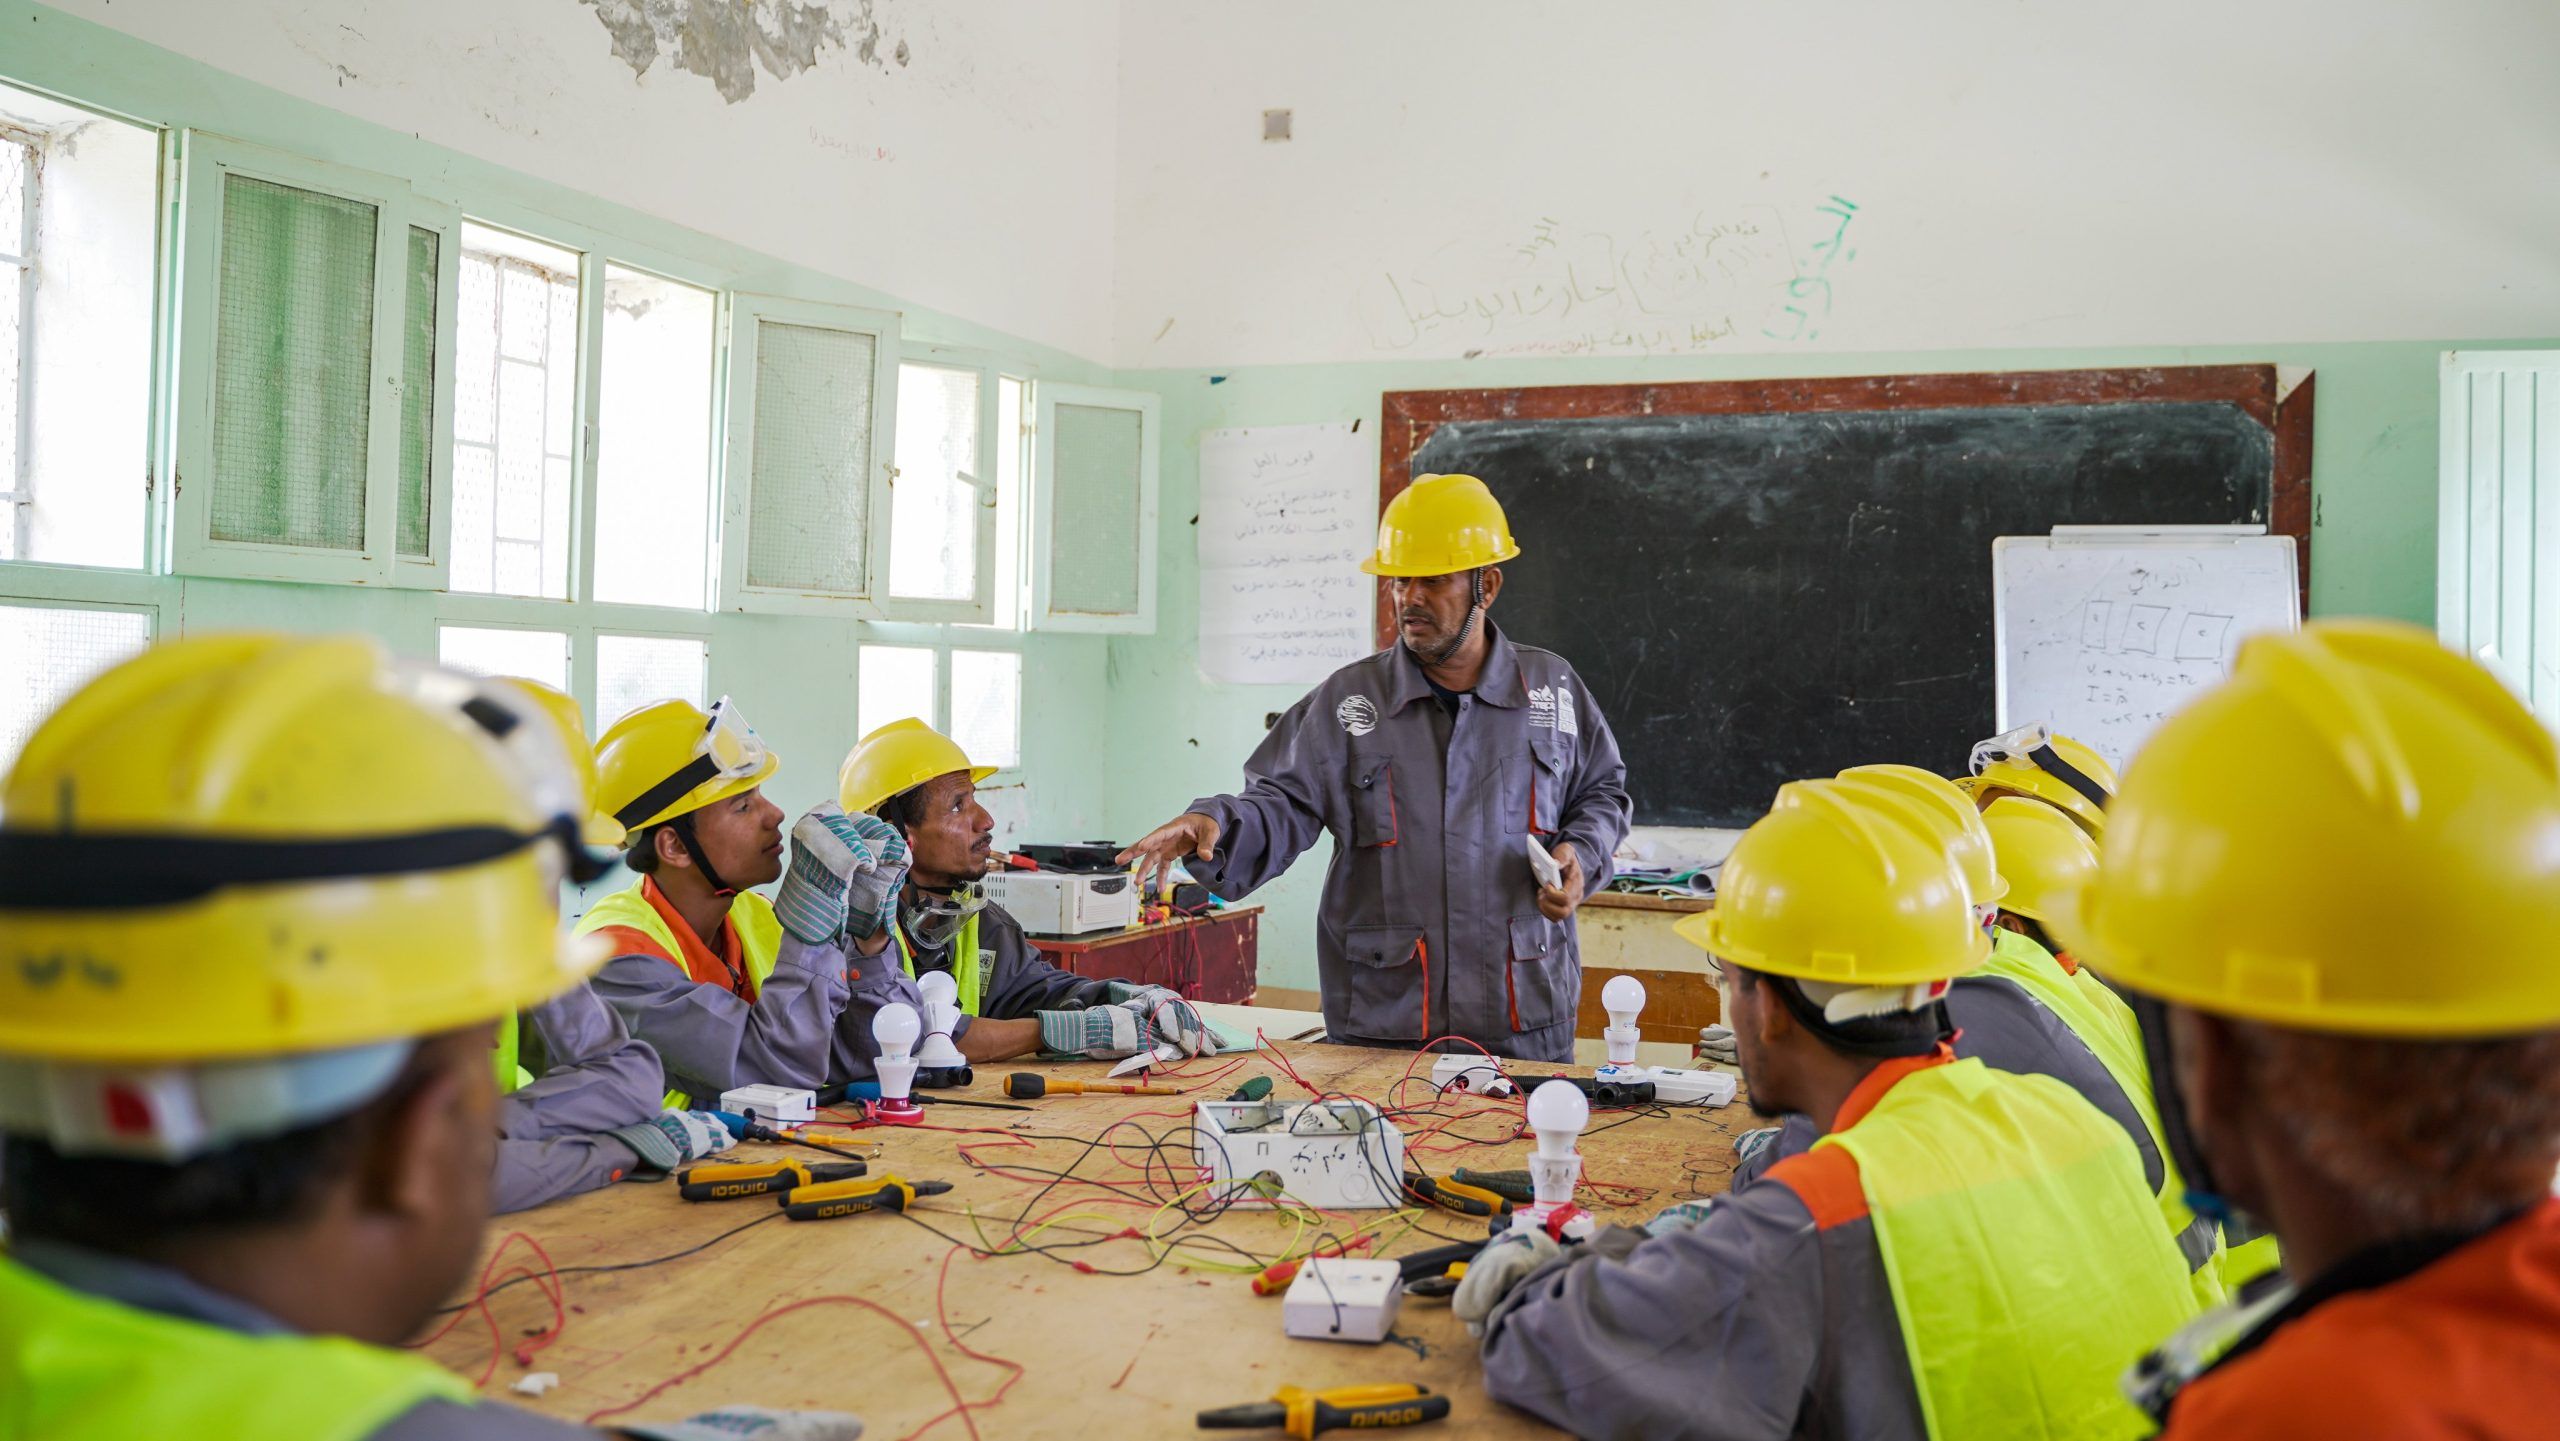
pixel 634 670
pixel 1093 547
pixel 986 705
pixel 1013 442
pixel 81 366
pixel 893 683
pixel 14 155
pixel 418 395
pixel 46 654
pixel 293 366
pixel 514 405
pixel 933 516
pixel 12 387
pixel 653 463
pixel 811 494
pixel 541 655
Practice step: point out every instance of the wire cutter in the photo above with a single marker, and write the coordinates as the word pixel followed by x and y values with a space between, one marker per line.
pixel 1312 1413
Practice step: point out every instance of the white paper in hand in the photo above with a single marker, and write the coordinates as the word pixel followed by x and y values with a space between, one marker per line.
pixel 1544 866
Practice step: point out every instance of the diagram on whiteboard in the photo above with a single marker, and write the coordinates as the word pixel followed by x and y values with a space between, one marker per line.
pixel 2102 639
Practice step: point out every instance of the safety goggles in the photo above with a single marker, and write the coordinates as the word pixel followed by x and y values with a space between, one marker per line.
pixel 2032 746
pixel 727 750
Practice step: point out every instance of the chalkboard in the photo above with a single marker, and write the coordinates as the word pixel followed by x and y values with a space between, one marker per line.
pixel 1758 587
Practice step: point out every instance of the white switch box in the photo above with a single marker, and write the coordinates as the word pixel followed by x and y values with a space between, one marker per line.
pixel 1336 1299
pixel 781 1104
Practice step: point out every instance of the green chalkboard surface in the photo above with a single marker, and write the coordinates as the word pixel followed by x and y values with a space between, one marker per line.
pixel 1799 579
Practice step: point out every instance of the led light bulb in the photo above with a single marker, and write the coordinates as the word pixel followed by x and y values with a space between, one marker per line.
pixel 941 1018
pixel 895 1026
pixel 1558 1112
pixel 1623 999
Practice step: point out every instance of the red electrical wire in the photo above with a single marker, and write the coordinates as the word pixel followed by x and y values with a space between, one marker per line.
pixel 948 1385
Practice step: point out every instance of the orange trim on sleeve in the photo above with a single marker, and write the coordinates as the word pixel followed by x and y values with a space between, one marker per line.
pixel 1826 1180
pixel 728 970
pixel 1871 1089
pixel 627 941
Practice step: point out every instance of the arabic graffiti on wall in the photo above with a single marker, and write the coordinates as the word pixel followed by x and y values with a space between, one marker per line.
pixel 1557 289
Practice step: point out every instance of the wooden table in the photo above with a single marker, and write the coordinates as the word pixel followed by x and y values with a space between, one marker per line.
pixel 1625 933
pixel 1102 1355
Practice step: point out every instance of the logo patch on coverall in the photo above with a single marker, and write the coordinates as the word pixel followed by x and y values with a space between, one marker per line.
pixel 1565 723
pixel 1357 715
pixel 1542 707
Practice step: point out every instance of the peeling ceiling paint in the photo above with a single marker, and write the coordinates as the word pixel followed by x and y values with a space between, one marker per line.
pixel 725 41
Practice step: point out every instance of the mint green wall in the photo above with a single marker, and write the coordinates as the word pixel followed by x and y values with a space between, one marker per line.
pixel 1174 735
pixel 793 675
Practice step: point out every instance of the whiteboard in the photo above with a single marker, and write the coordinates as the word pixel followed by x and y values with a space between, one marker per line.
pixel 2099 632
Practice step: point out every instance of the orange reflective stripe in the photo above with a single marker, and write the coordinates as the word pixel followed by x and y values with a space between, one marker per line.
pixel 728 970
pixel 1826 1180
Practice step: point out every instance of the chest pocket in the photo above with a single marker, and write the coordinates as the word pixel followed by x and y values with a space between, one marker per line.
pixel 1549 759
pixel 1373 803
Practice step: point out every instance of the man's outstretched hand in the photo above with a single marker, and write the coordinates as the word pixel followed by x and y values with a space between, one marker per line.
pixel 1189 836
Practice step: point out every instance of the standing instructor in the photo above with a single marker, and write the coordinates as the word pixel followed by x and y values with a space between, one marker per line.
pixel 1433 763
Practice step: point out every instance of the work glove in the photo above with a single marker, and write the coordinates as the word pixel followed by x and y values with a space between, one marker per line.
pixel 753 1423
pixel 671 1138
pixel 845 871
pixel 1501 1265
pixel 1672 1220
pixel 1715 1043
pixel 1751 1143
pixel 1148 1016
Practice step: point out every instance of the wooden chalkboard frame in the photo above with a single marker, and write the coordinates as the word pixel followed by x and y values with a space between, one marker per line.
pixel 1408 417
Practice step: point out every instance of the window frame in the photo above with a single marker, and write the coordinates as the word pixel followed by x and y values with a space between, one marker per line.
pixel 583 665
pixel 19 251
pixel 980 607
pixel 1046 398
pixel 206 160
pixel 741 313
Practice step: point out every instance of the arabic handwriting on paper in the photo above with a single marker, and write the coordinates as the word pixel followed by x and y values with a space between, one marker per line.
pixel 1286 513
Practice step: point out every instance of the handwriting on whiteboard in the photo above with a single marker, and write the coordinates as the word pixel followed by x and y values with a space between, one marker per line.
pixel 1286 514
pixel 1559 289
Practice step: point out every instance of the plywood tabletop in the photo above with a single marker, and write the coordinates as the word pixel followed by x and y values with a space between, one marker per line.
pixel 1109 1338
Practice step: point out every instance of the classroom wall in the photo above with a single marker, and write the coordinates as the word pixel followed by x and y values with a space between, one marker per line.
pixel 793 675
pixel 1524 178
pixel 958 156
pixel 1174 735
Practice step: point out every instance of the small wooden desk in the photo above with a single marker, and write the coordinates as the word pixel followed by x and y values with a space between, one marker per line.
pixel 1211 957
pixel 1103 1355
pixel 1623 933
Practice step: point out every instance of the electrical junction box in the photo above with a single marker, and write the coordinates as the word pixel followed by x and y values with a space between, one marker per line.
pixel 1339 1299
pixel 1692 1088
pixel 1056 903
pixel 771 1103
pixel 1481 1075
pixel 1336 1155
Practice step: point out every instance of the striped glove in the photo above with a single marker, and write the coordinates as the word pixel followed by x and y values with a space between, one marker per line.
pixel 845 872
pixel 753 1423
pixel 1148 1017
pixel 1674 1219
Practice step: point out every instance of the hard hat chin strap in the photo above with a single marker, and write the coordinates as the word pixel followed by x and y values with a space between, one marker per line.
pixel 683 827
pixel 1475 607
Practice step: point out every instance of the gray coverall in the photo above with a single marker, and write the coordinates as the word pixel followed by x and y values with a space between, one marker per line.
pixel 1430 924
pixel 2000 1023
pixel 590 1075
pixel 710 1041
pixel 1017 983
pixel 1759 1323
pixel 166 1292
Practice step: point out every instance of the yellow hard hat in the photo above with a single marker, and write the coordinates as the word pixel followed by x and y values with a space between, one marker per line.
pixel 241 846
pixel 2043 853
pixel 2054 769
pixel 2358 832
pixel 896 759
pixel 1828 887
pixel 671 758
pixel 1440 525
pixel 571 722
pixel 1951 817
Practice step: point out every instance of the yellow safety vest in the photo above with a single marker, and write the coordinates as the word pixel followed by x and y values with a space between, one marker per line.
pixel 75 1367
pixel 2115 1041
pixel 2027 1262
pixel 967 969
pixel 512 1075
pixel 759 938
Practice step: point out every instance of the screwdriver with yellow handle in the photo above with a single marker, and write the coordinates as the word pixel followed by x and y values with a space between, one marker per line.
pixel 1312 1413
